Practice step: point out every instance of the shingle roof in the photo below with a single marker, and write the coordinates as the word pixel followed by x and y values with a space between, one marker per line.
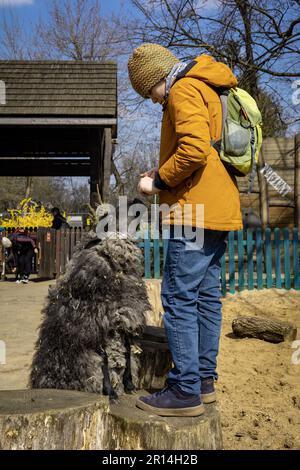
pixel 59 88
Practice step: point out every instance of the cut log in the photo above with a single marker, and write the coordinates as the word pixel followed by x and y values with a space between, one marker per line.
pixel 274 331
pixel 70 420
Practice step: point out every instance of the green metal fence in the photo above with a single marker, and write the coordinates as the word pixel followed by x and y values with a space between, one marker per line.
pixel 253 259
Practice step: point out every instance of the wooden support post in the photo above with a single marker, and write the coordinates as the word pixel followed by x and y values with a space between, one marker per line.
pixel 96 175
pixel 297 182
pixel 106 163
pixel 101 165
pixel 263 190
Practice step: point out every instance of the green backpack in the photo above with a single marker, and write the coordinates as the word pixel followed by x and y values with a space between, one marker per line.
pixel 241 133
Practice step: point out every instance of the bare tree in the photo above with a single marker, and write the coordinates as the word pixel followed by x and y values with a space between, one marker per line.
pixel 259 39
pixel 15 42
pixel 75 30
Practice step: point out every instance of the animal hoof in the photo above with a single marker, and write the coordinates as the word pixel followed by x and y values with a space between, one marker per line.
pixel 130 390
pixel 113 395
pixel 114 400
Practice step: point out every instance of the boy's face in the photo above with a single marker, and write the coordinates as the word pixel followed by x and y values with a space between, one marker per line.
pixel 157 93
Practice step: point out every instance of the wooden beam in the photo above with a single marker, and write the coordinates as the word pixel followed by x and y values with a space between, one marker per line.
pixel 55 167
pixel 263 189
pixel 282 203
pixel 44 121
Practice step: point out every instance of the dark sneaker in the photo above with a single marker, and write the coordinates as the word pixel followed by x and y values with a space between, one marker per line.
pixel 208 393
pixel 171 401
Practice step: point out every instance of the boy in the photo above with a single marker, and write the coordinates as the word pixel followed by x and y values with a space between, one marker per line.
pixel 190 174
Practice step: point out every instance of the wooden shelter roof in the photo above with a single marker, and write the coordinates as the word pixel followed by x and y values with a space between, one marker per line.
pixel 59 89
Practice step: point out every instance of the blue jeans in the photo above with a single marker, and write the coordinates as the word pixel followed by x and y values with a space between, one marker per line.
pixel 191 300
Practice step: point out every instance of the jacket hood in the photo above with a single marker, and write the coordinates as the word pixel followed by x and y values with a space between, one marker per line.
pixel 213 73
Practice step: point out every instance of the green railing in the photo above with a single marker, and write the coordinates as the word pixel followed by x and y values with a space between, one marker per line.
pixel 253 259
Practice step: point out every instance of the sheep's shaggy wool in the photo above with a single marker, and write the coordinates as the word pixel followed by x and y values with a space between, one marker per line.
pixel 93 315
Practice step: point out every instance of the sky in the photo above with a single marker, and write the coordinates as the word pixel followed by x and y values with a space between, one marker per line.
pixel 30 8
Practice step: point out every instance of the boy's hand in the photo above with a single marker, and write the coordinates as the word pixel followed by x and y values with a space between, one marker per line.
pixel 150 173
pixel 146 186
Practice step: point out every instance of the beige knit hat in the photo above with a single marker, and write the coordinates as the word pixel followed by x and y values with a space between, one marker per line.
pixel 148 65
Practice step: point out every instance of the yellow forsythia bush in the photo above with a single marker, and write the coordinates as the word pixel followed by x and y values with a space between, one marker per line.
pixel 28 214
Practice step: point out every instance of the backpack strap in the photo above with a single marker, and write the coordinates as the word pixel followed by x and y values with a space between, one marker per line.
pixel 223 95
pixel 253 171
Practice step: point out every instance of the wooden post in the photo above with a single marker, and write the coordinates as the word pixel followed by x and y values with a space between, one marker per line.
pixel 240 242
pixel 101 166
pixel 250 279
pixel 297 181
pixel 231 262
pixel 263 189
pixel 106 163
pixel 277 244
pixel 96 175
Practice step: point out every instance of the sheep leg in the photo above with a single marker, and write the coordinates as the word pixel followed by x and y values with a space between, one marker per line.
pixel 107 388
pixel 127 377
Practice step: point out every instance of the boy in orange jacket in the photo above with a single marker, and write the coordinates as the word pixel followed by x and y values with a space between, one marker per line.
pixel 190 176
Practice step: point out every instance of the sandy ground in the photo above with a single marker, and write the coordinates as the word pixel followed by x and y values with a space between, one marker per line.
pixel 258 387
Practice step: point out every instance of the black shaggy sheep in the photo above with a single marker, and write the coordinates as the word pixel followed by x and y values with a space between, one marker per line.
pixel 91 321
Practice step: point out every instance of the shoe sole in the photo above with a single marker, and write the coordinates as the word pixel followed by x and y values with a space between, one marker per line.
pixel 183 412
pixel 209 398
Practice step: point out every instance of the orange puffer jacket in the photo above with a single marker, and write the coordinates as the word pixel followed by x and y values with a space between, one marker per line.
pixel 188 164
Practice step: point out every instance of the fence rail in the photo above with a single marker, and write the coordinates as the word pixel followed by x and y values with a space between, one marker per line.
pixel 253 259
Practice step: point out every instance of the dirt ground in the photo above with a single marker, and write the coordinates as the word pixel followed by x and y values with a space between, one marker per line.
pixel 258 387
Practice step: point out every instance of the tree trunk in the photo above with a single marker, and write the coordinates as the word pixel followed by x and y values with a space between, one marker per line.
pixel 28 189
pixel 273 331
pixel 70 420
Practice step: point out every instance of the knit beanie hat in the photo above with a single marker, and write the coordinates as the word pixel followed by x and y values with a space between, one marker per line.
pixel 148 65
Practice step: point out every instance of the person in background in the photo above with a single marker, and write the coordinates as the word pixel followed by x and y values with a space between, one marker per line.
pixel 23 248
pixel 59 221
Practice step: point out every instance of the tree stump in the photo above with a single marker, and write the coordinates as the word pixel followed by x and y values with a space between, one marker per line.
pixel 274 331
pixel 142 431
pixel 62 419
